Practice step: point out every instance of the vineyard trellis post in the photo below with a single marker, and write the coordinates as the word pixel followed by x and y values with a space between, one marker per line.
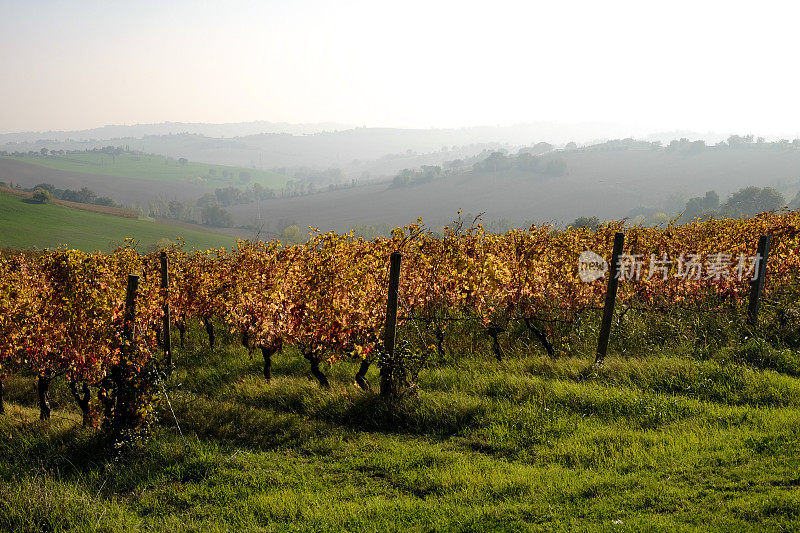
pixel 129 316
pixel 611 296
pixel 387 367
pixel 122 396
pixel 757 283
pixel 167 344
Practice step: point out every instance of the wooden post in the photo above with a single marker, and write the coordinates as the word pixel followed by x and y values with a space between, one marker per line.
pixel 167 344
pixel 43 391
pixel 121 395
pixel 130 306
pixel 611 296
pixel 387 369
pixel 757 284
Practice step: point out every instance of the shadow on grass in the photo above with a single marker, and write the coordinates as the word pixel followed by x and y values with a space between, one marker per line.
pixel 289 413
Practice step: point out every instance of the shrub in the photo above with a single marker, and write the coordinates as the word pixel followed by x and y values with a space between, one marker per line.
pixel 42 196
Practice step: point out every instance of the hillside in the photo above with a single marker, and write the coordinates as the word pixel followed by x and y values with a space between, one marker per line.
pixel 603 182
pixel 29 225
pixel 157 168
pixel 607 184
pixel 322 145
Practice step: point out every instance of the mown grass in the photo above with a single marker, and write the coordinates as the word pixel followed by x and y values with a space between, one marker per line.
pixel 23 224
pixel 664 442
pixel 155 167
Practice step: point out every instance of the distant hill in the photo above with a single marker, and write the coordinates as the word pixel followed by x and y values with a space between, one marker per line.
pixel 235 129
pixel 605 183
pixel 133 179
pixel 376 150
pixel 610 180
pixel 24 224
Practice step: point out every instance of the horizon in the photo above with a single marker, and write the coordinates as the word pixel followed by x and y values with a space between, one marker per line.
pixel 614 131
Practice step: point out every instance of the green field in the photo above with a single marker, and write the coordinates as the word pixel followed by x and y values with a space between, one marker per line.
pixel 659 439
pixel 156 167
pixel 30 225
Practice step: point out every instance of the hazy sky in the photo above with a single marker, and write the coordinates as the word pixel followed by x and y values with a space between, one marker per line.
pixel 703 65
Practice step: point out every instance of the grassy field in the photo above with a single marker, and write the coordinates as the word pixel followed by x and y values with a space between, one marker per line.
pixel 659 439
pixel 29 225
pixel 156 167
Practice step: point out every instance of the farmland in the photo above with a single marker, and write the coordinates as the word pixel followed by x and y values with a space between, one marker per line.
pixel 32 225
pixel 155 167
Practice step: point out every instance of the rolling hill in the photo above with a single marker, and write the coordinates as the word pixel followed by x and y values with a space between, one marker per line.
pixel 24 224
pixel 607 184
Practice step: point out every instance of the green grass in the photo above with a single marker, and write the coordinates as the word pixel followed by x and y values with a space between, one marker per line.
pixel 29 225
pixel 664 442
pixel 155 167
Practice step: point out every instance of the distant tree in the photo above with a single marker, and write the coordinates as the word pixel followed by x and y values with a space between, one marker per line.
pixel 674 202
pixel 571 146
pixel 86 195
pixel 555 167
pixel 371 232
pixel 292 235
pixel 527 161
pixel 228 196
pixel 47 186
pixel 257 191
pixel 212 172
pixel 178 211
pixel 738 141
pixel 697 146
pixel 183 160
pixel 206 200
pixel 658 219
pixel 403 178
pixel 770 199
pixel 430 172
pixel 216 216
pixel 283 223
pixel 586 222
pixel 43 151
pixel 751 201
pixel 455 165
pixel 83 196
pixel 701 205
pixel 497 161
pixel 42 196
pixel 795 204
pixel 104 200
pixel 711 200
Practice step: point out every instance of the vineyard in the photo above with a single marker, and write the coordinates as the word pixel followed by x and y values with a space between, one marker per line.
pixel 452 381
pixel 63 313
